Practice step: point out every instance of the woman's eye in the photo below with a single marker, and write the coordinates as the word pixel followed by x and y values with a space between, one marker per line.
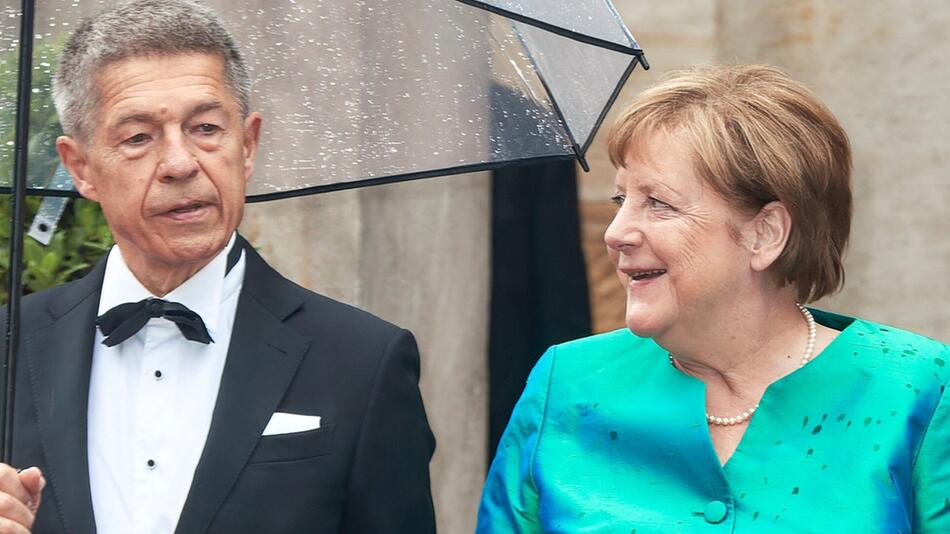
pixel 658 204
pixel 618 200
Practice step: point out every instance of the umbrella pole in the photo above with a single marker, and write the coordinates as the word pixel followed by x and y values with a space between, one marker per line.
pixel 18 212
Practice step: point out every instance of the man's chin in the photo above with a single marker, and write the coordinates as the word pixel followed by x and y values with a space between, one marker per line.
pixel 182 250
pixel 190 252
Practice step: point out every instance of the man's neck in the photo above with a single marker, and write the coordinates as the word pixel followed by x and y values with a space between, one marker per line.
pixel 162 279
pixel 163 283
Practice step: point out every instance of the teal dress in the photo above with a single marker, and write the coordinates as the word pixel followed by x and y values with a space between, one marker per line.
pixel 608 437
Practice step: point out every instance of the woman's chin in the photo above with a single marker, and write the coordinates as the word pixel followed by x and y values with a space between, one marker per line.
pixel 648 319
pixel 645 326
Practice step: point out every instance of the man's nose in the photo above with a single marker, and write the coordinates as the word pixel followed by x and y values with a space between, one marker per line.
pixel 179 160
pixel 623 231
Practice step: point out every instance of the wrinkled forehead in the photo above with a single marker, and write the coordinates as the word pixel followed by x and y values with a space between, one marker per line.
pixel 159 81
pixel 127 70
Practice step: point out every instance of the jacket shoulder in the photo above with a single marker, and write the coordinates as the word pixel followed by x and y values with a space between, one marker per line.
pixel 606 345
pixel 338 326
pixel 618 351
pixel 912 355
pixel 342 317
pixel 38 310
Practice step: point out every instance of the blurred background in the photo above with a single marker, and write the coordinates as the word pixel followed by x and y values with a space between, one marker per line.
pixel 488 269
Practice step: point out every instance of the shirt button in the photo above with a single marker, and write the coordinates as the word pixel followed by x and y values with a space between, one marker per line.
pixel 151 464
pixel 158 375
pixel 715 511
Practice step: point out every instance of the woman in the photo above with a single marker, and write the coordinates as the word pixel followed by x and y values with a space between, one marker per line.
pixel 726 404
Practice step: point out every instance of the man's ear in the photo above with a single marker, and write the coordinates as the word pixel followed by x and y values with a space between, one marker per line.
pixel 766 235
pixel 74 159
pixel 252 135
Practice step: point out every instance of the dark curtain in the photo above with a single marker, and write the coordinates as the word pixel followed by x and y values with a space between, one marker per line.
pixel 538 279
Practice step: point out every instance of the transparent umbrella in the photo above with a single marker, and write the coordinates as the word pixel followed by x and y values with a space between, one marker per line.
pixel 354 93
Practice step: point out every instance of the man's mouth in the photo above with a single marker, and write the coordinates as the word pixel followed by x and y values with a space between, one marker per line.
pixel 645 275
pixel 187 209
pixel 190 212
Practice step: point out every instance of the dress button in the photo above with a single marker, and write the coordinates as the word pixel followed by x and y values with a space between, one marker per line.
pixel 715 511
pixel 158 374
pixel 151 464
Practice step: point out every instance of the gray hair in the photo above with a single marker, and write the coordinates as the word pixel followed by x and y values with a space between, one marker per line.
pixel 140 28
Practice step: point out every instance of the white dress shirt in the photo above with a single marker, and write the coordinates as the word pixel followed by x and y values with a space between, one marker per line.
pixel 151 398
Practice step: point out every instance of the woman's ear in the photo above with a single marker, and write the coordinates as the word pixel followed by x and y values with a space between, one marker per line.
pixel 766 235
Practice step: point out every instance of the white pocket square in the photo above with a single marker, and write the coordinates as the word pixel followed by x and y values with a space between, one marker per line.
pixel 287 423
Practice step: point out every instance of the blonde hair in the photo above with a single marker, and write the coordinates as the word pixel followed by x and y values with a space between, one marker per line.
pixel 757 136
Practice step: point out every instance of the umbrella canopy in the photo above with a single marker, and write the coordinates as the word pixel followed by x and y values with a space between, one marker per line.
pixel 354 93
pixel 360 93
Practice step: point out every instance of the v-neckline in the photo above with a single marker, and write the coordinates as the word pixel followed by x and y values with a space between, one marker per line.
pixel 827 319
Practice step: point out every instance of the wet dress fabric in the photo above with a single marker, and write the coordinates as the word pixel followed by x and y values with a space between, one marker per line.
pixel 609 437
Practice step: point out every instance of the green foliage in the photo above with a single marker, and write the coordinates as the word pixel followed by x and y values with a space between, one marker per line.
pixel 81 238
pixel 82 235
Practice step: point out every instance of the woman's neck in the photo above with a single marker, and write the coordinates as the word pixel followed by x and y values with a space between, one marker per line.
pixel 743 349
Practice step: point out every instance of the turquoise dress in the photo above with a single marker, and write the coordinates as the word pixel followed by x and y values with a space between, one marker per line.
pixel 608 437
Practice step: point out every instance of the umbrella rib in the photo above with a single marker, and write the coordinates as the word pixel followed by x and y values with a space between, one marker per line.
pixel 397 178
pixel 610 102
pixel 560 115
pixel 564 32
pixel 342 186
pixel 18 204
pixel 41 192
pixel 366 182
pixel 557 108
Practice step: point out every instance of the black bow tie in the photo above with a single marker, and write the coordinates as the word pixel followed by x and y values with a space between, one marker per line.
pixel 123 321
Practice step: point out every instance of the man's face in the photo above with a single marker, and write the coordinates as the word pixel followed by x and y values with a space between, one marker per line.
pixel 168 159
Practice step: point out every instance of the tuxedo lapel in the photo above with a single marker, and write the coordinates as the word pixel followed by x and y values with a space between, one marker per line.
pixel 262 360
pixel 58 357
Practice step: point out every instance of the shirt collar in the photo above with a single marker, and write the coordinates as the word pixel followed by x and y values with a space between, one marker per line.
pixel 202 293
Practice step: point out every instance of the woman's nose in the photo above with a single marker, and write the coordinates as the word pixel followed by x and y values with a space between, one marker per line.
pixel 623 231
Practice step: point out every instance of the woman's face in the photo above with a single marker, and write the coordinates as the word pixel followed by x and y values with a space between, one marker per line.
pixel 674 243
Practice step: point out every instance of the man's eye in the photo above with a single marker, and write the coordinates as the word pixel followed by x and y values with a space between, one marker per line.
pixel 207 128
pixel 618 200
pixel 137 139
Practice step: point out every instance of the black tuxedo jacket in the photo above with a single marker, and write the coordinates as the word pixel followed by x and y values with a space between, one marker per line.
pixel 364 471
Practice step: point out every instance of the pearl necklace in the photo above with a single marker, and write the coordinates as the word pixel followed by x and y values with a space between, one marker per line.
pixel 809 347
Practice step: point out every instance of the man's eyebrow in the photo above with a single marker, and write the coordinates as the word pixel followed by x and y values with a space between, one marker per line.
pixel 139 116
pixel 206 106
pixel 149 118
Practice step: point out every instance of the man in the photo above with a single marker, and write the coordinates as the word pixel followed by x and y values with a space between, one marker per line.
pixel 183 385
